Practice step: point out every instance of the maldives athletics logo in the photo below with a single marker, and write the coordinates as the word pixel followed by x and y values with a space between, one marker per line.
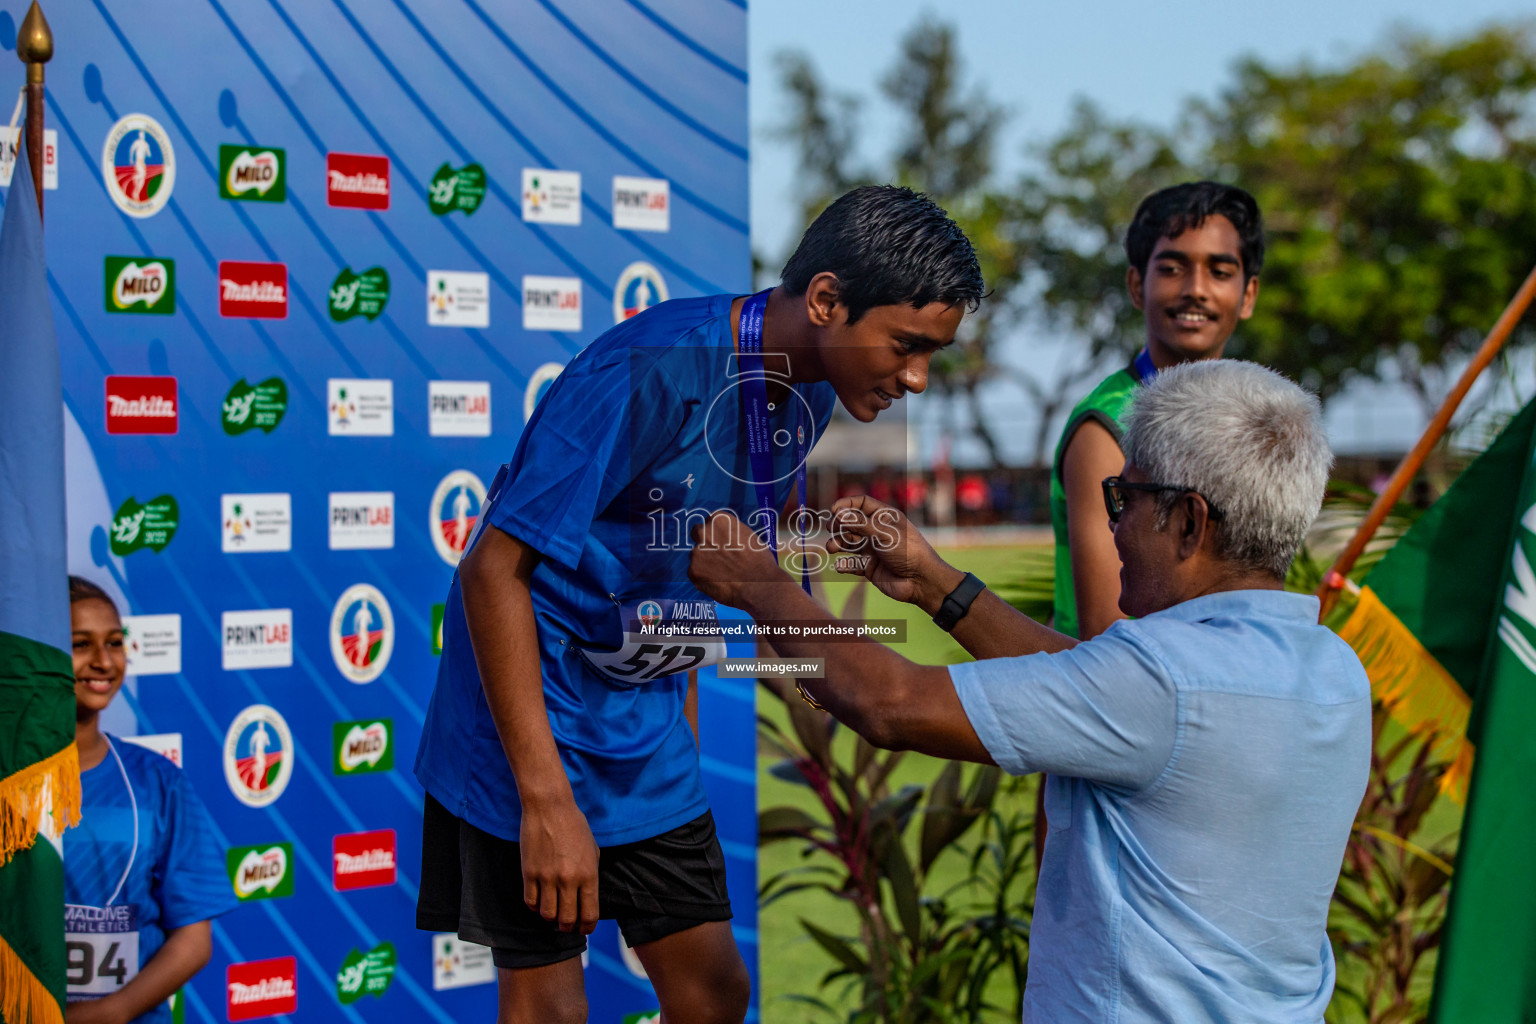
pixel 257 290
pixel 258 756
pixel 363 859
pixel 462 189
pixel 141 405
pixel 262 988
pixel 151 525
pixel 253 173
pixel 366 973
pixel 362 633
pixel 261 872
pixel 362 294
pixel 254 406
pixel 455 510
pixel 138 165
pixel 362 747
pixel 140 284
pixel 356 181
pixel 640 287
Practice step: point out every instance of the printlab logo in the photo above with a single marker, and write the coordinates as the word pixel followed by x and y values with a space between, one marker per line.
pixel 262 988
pixel 551 197
pixel 462 189
pixel 640 287
pixel 262 638
pixel 642 204
pixel 261 872
pixel 140 284
pixel 253 173
pixel 152 644
pixel 458 298
pixel 539 382
pixel 362 747
pixel 138 165
pixel 362 633
pixel 456 963
pixel 366 973
pixel 258 756
pixel 141 405
pixel 456 506
pixel 362 294
pixel 551 303
pixel 151 525
pixel 256 522
pixel 363 859
pixel 361 407
pixel 362 520
pixel 459 408
pixel 254 290
pixel 438 611
pixel 356 181
pixel 10 141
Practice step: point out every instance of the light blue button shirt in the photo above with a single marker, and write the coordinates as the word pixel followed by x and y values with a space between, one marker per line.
pixel 1206 764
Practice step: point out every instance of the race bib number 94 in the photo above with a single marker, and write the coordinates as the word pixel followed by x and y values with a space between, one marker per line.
pixel 101 946
pixel 661 638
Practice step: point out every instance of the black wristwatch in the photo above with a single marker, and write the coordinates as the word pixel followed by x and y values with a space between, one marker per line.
pixel 958 602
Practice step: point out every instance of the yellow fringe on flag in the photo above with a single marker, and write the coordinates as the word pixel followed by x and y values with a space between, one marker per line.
pixel 1413 686
pixel 24 999
pixel 45 795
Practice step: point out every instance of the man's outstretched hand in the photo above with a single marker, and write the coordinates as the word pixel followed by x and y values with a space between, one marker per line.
pixel 874 540
pixel 729 558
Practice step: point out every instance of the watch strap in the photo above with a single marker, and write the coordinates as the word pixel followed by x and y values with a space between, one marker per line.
pixel 958 603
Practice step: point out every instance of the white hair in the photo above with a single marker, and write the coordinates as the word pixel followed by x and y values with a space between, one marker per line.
pixel 1248 440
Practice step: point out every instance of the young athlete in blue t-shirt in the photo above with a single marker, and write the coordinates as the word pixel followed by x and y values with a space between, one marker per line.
pixel 143 872
pixel 556 729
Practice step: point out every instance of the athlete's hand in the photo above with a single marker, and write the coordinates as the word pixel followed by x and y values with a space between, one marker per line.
pixel 728 558
pixel 559 865
pixel 874 540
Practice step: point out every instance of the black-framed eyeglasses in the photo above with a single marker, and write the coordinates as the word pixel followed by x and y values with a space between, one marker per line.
pixel 1116 489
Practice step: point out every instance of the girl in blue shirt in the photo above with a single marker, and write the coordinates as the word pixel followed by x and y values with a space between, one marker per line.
pixel 143 872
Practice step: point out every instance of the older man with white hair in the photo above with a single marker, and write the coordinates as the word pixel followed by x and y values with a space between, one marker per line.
pixel 1205 758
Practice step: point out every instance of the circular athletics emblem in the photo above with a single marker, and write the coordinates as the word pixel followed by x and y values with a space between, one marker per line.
pixel 640 287
pixel 539 383
pixel 138 165
pixel 258 756
pixel 362 633
pixel 455 510
pixel 649 612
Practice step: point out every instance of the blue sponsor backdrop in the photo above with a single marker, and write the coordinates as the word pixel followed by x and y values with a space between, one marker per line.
pixel 646 88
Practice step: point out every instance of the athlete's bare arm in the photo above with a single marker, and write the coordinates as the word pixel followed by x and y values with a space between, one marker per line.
pixel 558 851
pixel 1091 455
pixel 185 952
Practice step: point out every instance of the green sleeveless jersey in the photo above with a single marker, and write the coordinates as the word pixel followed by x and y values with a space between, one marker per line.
pixel 1106 404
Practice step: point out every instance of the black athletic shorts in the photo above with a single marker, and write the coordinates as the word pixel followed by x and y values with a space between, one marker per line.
pixel 472 884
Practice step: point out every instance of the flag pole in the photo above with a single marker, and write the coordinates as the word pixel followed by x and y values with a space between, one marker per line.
pixel 34 47
pixel 1334 578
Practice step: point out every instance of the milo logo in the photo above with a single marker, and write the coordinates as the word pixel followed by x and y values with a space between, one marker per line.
pixel 367 973
pixel 140 285
pixel 252 173
pixel 149 525
pixel 462 189
pixel 362 294
pixel 255 406
pixel 362 747
pixel 261 872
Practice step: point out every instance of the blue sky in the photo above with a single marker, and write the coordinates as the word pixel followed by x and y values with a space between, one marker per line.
pixel 1135 60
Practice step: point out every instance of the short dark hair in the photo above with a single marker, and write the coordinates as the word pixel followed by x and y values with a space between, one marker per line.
pixel 1171 211
pixel 82 589
pixel 888 246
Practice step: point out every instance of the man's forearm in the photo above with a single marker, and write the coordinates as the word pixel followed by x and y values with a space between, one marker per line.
pixel 992 628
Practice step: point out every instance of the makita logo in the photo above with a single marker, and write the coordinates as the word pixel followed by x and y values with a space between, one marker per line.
pixel 253 289
pixel 363 859
pixel 462 405
pixel 262 988
pixel 141 405
pixel 357 181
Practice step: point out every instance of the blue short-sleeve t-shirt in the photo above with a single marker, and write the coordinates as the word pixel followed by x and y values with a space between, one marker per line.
pixel 174 876
pixel 637 439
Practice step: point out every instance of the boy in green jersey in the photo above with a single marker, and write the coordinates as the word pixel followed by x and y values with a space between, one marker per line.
pixel 1195 253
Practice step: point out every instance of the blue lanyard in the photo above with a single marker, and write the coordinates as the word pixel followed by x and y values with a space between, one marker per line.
pixel 755 408
pixel 1145 368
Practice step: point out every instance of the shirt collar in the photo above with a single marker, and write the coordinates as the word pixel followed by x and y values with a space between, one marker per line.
pixel 1265 604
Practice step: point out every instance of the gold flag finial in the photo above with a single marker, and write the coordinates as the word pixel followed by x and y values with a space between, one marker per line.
pixel 34 42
